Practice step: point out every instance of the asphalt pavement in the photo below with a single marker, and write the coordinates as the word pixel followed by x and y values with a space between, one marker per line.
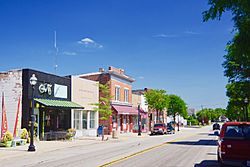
pixel 92 151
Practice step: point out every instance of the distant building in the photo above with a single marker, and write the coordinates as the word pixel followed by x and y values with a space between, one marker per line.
pixel 124 115
pixel 191 111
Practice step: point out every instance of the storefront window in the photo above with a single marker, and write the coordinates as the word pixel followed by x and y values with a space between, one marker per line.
pixel 117 93
pixel 113 118
pixel 126 91
pixel 77 115
pixel 84 120
pixel 92 119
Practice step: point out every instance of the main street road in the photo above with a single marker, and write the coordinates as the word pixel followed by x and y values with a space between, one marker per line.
pixel 198 150
pixel 191 147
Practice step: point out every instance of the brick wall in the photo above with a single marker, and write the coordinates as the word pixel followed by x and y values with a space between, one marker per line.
pixel 123 86
pixel 11 85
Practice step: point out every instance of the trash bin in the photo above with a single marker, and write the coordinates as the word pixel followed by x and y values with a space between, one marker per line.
pixel 114 134
pixel 100 130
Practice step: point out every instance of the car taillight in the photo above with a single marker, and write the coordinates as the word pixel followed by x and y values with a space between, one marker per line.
pixel 222 146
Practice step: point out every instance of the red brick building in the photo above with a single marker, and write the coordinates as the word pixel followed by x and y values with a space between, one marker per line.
pixel 124 116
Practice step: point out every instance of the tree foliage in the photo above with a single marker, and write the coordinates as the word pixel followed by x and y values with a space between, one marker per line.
pixel 157 100
pixel 235 112
pixel 104 102
pixel 237 60
pixel 237 92
pixel 177 106
pixel 207 114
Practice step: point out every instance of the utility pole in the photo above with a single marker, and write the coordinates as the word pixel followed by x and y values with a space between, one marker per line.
pixel 56 54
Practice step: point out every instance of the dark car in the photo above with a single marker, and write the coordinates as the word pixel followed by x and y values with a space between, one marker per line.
pixel 159 128
pixel 234 144
pixel 216 126
pixel 170 129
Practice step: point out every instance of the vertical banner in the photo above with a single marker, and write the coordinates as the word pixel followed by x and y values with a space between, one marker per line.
pixel 16 128
pixel 4 126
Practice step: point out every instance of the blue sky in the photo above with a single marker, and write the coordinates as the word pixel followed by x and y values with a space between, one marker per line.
pixel 163 44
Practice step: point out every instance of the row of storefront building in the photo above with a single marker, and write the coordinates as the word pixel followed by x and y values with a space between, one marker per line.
pixel 63 102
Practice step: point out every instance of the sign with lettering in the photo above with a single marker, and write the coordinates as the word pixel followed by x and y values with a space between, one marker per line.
pixel 45 88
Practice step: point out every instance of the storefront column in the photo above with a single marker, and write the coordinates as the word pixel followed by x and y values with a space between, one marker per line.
pixel 110 125
pixel 122 122
pixel 130 123
pixel 127 123
pixel 88 119
pixel 43 124
pixel 116 120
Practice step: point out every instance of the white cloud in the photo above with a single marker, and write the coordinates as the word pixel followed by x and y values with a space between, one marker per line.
pixel 88 42
pixel 191 32
pixel 69 53
pixel 165 35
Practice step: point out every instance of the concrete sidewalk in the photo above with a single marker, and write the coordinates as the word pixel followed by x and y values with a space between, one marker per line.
pixel 48 146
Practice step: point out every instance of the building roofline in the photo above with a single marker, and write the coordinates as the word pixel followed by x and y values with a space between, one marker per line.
pixel 123 76
pixel 89 74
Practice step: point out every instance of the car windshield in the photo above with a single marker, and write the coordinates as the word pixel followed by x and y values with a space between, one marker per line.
pixel 238 131
pixel 158 125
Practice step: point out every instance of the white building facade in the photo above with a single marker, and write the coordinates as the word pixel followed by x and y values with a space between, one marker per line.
pixel 86 93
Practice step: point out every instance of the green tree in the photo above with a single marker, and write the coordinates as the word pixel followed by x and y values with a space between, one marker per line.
pixel 208 114
pixel 237 60
pixel 177 106
pixel 235 112
pixel 204 115
pixel 104 102
pixel 157 100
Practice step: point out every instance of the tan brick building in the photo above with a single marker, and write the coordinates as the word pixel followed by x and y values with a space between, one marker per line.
pixel 124 114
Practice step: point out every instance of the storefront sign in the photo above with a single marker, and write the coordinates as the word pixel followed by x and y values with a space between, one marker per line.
pixel 45 88
pixel 60 91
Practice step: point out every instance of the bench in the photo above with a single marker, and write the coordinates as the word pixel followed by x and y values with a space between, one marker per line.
pixel 18 141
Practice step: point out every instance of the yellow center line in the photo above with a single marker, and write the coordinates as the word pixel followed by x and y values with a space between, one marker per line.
pixel 143 151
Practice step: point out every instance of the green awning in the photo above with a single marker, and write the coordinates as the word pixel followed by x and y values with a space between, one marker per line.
pixel 58 103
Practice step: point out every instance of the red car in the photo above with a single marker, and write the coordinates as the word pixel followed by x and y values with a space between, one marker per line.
pixel 234 144
pixel 159 128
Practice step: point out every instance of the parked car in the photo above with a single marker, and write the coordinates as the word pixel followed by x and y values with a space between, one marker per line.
pixel 216 126
pixel 170 129
pixel 159 128
pixel 234 144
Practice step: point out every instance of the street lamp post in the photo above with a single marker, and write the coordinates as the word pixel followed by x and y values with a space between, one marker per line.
pixel 139 121
pixel 33 81
pixel 246 102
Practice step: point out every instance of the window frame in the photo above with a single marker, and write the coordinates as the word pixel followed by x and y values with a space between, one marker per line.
pixel 117 93
pixel 126 95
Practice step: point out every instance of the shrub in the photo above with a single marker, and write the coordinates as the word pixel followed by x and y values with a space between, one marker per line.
pixel 70 133
pixel 24 134
pixel 7 137
pixel 193 122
